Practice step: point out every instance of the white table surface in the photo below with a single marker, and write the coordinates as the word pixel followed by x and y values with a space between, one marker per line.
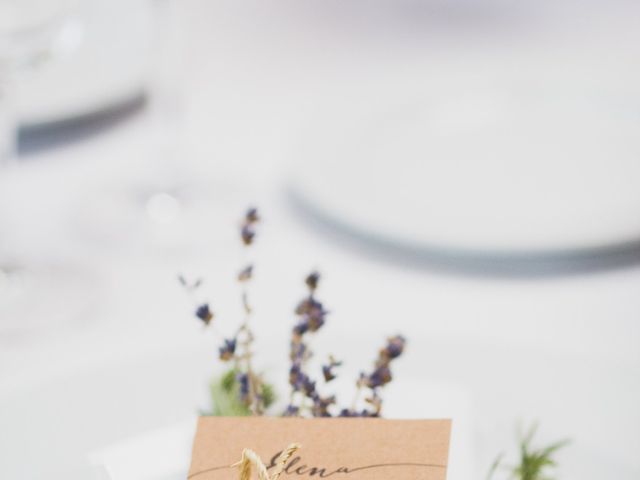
pixel 562 350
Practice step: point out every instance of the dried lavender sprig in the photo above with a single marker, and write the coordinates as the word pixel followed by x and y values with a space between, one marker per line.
pixel 311 317
pixel 247 230
pixel 378 378
pixel 305 398
pixel 202 310
pixel 251 384
pixel 304 394
pixel 238 348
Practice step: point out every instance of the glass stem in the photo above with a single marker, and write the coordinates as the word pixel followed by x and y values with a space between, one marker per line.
pixel 8 121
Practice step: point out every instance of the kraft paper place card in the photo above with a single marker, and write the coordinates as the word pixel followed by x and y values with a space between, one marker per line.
pixel 337 448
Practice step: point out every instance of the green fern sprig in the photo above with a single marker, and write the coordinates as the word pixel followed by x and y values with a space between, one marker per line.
pixel 534 463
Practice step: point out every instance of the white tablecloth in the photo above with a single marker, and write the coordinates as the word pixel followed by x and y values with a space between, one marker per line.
pixel 561 350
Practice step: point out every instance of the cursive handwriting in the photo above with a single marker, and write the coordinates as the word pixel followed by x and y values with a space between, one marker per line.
pixel 293 467
pixel 297 467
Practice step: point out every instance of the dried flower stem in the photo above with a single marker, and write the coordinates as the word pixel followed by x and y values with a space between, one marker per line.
pixel 244 332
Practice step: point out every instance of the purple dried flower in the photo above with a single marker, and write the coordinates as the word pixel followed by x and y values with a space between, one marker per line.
pixel 309 306
pixel 228 350
pixel 328 373
pixel 243 381
pixel 380 376
pixel 316 318
pixel 327 370
pixel 346 412
pixel 321 406
pixel 312 280
pixel 312 312
pixel 246 273
pixel 367 413
pixel 308 385
pixel 298 352
pixel 291 411
pixel 382 372
pixel 300 381
pixel 296 377
pixel 394 348
pixel 301 328
pixel 204 313
pixel 252 215
pixel 247 233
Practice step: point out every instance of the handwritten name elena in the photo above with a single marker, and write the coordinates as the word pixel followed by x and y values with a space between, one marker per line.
pixel 296 467
pixel 293 468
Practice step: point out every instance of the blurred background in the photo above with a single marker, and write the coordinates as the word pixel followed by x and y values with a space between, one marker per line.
pixel 465 172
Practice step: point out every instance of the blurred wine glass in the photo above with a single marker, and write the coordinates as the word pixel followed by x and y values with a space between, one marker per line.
pixel 159 194
pixel 7 123
pixel 32 33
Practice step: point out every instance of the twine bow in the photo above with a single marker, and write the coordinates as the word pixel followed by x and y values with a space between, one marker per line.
pixel 251 459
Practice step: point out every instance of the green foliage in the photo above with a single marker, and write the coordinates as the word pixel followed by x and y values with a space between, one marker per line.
pixel 494 466
pixel 228 381
pixel 225 397
pixel 268 395
pixel 534 462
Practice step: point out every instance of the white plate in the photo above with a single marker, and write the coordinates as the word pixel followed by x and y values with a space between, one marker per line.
pixel 490 167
